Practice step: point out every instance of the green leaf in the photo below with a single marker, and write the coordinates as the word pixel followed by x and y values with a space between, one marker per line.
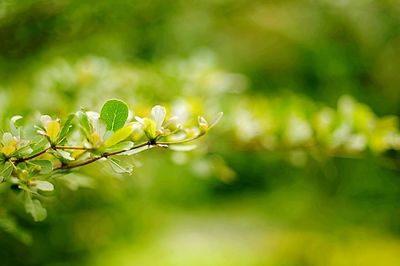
pixel 120 135
pixel 44 185
pixel 53 130
pixel 121 167
pixel 84 123
pixel 13 127
pixel 66 128
pixel 138 150
pixel 158 114
pixel 35 208
pixel 24 151
pixel 46 167
pixel 203 124
pixel 122 146
pixel 65 155
pixel 39 145
pixel 6 171
pixel 150 128
pixel 114 113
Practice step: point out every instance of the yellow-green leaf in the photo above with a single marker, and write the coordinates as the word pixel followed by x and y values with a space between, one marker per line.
pixel 53 129
pixel 119 135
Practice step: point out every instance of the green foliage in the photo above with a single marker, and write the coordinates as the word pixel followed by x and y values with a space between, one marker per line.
pixel 35 208
pixel 120 135
pixel 114 113
pixel 314 170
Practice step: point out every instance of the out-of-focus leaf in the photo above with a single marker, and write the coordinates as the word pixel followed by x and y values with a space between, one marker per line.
pixel 75 181
pixel 178 147
pixel 8 224
pixel 44 185
pixel 35 208
pixel 216 120
pixel 114 113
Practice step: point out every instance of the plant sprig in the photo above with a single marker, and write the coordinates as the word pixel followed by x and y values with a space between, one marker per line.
pixel 30 161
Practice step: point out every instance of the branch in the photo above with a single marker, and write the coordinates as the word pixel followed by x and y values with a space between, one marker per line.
pixel 70 148
pixel 20 160
pixel 104 155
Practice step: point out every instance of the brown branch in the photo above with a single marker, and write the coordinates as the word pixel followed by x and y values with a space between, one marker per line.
pixel 104 155
pixel 20 160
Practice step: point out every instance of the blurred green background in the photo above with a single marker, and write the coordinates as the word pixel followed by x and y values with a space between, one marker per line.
pixel 232 201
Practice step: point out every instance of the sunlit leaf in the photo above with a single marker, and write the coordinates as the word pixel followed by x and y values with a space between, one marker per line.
pixel 120 135
pixel 158 114
pixel 84 123
pixel 179 147
pixel 203 124
pixel 121 167
pixel 66 155
pixel 13 127
pixel 122 146
pixel 53 129
pixel 114 113
pixel 150 128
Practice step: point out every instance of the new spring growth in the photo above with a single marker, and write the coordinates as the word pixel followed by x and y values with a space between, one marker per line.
pixel 58 146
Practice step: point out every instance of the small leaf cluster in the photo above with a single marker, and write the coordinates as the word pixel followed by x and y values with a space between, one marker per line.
pixel 33 155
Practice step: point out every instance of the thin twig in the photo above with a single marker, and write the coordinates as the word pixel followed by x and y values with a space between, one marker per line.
pixel 20 160
pixel 104 155
pixel 70 148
